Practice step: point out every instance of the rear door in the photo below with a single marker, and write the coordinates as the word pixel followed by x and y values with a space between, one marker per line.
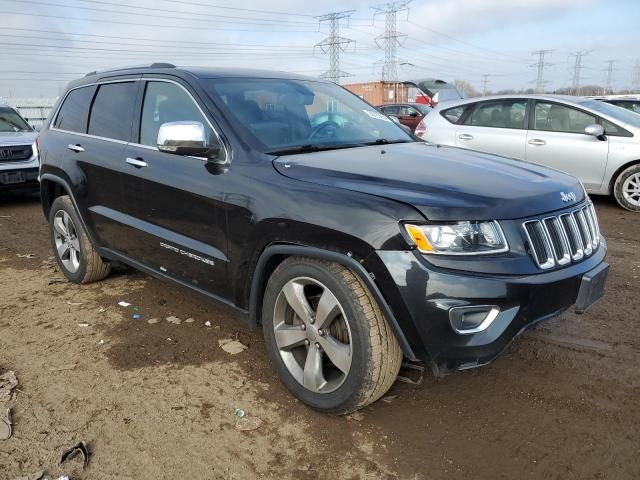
pixel 556 139
pixel 181 210
pixel 102 156
pixel 495 126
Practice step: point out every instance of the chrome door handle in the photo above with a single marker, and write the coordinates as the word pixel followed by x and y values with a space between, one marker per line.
pixel 537 142
pixel 75 148
pixel 465 136
pixel 136 162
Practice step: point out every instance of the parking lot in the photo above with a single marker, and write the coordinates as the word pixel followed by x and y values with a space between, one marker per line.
pixel 157 400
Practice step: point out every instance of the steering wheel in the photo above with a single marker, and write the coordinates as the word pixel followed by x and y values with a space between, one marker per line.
pixel 317 129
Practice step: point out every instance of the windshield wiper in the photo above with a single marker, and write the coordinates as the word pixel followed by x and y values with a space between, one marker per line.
pixel 312 147
pixel 384 141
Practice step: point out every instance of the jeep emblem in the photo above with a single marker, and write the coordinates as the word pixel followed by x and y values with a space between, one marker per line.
pixel 568 197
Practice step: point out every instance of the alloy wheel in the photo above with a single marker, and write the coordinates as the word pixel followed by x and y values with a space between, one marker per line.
pixel 66 240
pixel 631 189
pixel 312 335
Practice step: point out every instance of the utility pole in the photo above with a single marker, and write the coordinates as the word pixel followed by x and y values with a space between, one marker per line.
pixel 635 82
pixel 540 64
pixel 577 70
pixel 334 44
pixel 485 80
pixel 391 38
pixel 609 79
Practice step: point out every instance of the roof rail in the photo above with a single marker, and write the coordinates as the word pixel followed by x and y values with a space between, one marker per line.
pixel 153 65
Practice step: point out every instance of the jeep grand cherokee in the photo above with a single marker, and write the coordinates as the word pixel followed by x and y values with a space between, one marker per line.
pixel 349 242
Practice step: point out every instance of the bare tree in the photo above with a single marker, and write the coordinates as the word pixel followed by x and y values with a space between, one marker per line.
pixel 466 88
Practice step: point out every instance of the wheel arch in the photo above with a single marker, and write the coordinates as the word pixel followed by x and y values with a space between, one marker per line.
pixel 274 254
pixel 617 173
pixel 51 187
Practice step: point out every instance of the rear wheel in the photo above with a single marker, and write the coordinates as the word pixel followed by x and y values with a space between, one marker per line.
pixel 627 188
pixel 74 252
pixel 327 337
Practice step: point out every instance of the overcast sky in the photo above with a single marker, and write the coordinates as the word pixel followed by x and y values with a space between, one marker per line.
pixel 46 43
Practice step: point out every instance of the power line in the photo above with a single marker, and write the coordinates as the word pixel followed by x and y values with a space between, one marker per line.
pixel 635 82
pixel 577 70
pixel 485 81
pixel 334 44
pixel 540 64
pixel 391 38
pixel 609 78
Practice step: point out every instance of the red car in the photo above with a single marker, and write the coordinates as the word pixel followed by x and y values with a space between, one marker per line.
pixel 409 114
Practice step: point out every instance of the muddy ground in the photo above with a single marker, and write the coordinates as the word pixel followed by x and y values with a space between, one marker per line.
pixel 156 401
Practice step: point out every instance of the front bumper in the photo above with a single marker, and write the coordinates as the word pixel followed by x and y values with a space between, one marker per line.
pixel 19 178
pixel 427 294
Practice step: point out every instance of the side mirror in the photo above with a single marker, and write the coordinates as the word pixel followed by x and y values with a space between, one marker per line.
pixel 413 114
pixel 595 130
pixel 186 138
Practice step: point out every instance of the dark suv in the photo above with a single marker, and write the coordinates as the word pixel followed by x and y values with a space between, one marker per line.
pixel 351 244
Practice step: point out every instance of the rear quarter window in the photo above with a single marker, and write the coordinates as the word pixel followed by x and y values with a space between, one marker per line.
pixel 453 114
pixel 75 110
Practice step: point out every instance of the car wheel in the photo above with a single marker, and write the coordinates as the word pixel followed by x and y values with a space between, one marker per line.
pixel 74 252
pixel 627 188
pixel 327 336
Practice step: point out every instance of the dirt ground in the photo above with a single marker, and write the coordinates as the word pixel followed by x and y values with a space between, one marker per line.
pixel 157 401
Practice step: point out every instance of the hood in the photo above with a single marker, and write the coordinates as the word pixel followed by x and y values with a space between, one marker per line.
pixel 9 139
pixel 443 183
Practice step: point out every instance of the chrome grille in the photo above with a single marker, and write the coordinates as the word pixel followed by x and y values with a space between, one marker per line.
pixel 18 153
pixel 557 240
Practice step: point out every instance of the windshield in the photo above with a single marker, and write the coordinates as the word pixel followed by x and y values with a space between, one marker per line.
pixel 10 121
pixel 617 113
pixel 284 115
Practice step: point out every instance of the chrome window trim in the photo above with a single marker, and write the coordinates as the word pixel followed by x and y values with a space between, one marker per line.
pixel 227 155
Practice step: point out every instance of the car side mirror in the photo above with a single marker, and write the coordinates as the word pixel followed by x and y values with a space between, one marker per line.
pixel 413 114
pixel 595 130
pixel 187 139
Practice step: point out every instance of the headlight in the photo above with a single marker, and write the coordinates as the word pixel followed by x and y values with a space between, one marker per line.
pixel 34 149
pixel 462 238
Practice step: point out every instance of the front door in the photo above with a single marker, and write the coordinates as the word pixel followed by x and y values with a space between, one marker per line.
pixel 556 139
pixel 183 217
pixel 495 126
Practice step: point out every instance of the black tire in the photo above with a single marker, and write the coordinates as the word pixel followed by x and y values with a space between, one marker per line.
pixel 618 187
pixel 91 266
pixel 376 356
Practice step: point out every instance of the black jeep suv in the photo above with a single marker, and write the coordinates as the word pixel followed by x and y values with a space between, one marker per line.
pixel 314 215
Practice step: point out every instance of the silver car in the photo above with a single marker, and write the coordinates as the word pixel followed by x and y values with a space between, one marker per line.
pixel 597 142
pixel 19 162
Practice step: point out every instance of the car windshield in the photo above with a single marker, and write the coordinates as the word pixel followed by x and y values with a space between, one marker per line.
pixel 618 113
pixel 286 116
pixel 10 121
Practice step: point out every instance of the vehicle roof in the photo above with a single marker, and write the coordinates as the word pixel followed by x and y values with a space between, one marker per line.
pixel 197 72
pixel 570 99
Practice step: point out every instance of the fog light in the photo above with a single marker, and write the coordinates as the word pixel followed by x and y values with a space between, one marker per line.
pixel 473 319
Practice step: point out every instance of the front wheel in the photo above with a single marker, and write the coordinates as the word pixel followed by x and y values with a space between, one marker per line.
pixel 327 337
pixel 74 252
pixel 627 188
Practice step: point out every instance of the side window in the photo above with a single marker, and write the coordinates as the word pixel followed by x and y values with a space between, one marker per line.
pixel 614 130
pixel 406 111
pixel 75 110
pixel 112 110
pixel 391 110
pixel 552 117
pixel 166 102
pixel 453 114
pixel 499 114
